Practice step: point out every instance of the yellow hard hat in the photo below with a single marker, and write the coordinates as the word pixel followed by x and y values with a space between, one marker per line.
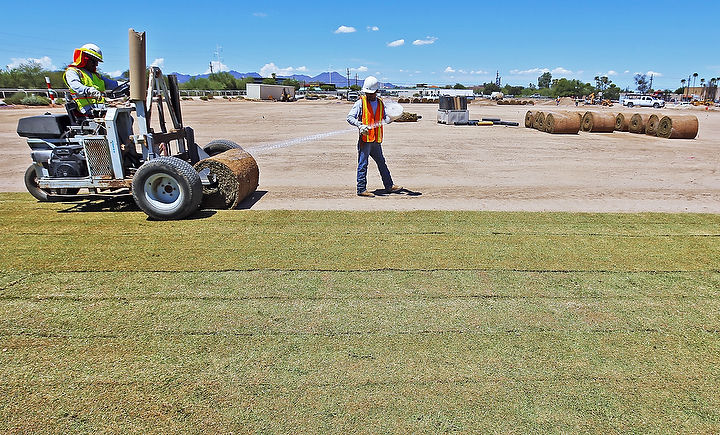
pixel 89 49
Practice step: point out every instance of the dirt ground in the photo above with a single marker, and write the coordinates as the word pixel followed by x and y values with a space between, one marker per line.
pixel 453 167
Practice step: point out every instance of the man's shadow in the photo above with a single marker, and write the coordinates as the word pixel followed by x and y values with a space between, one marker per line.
pixel 403 191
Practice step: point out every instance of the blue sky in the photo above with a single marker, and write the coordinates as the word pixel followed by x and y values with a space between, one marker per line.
pixel 400 42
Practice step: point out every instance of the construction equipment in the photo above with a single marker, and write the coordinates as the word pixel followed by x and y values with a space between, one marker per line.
pixel 101 154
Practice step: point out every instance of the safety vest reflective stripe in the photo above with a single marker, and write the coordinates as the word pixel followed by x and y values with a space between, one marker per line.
pixel 94 81
pixel 370 118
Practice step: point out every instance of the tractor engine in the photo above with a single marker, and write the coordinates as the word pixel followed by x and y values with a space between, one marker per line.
pixel 68 161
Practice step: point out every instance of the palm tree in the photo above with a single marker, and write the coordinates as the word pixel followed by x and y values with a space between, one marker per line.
pixel 683 88
pixel 694 77
pixel 702 83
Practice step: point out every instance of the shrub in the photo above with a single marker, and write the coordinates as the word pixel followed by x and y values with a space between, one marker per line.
pixel 60 101
pixel 204 98
pixel 35 100
pixel 210 97
pixel 15 98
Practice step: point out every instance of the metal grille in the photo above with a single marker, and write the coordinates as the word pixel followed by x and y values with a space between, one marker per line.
pixel 98 157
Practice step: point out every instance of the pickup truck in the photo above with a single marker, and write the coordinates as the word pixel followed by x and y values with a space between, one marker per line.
pixel 643 101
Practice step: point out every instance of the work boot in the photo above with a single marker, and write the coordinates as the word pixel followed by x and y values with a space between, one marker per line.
pixel 366 194
pixel 393 189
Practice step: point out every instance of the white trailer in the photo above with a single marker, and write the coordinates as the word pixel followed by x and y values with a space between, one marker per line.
pixel 261 91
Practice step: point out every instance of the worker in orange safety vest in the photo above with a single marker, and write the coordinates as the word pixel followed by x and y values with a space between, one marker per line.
pixel 368 115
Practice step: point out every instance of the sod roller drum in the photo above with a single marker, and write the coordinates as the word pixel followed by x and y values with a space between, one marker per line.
pixel 638 122
pixel 233 173
pixel 678 127
pixel 167 188
pixel 562 123
pixel 598 122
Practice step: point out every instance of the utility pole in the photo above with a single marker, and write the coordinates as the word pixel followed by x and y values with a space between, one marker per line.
pixel 497 78
pixel 651 80
pixel 211 67
pixel 356 79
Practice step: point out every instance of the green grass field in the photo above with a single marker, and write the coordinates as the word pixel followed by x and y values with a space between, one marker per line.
pixel 283 321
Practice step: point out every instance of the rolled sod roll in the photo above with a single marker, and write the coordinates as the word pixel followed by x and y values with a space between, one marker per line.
pixel 678 127
pixel 561 123
pixel 598 122
pixel 638 122
pixel 529 119
pixel 236 173
pixel 539 121
pixel 652 124
pixel 622 121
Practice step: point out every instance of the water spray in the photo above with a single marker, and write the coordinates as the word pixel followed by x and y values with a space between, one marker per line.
pixel 392 109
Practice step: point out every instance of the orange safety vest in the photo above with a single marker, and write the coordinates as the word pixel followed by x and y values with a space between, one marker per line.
pixel 370 118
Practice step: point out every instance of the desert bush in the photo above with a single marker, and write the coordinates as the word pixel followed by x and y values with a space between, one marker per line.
pixel 35 100
pixel 15 98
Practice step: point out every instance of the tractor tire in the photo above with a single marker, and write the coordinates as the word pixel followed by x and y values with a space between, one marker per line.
pixel 167 188
pixel 218 146
pixel 32 185
pixel 42 194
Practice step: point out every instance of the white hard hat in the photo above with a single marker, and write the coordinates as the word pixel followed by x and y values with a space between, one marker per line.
pixel 370 85
pixel 93 50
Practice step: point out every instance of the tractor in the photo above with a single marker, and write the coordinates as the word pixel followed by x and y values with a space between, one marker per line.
pixel 105 156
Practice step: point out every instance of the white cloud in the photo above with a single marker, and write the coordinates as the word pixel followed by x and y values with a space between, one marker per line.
pixel 478 72
pixel 626 71
pixel 117 73
pixel 449 70
pixel 396 43
pixel 160 63
pixel 359 69
pixel 555 71
pixel 654 73
pixel 44 62
pixel 259 14
pixel 373 28
pixel 345 29
pixel 269 68
pixel 217 67
pixel 529 71
pixel 428 40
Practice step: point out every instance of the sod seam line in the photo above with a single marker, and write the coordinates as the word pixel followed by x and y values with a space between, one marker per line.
pixel 492 233
pixel 383 269
pixel 17 281
pixel 122 299
pixel 304 385
pixel 514 331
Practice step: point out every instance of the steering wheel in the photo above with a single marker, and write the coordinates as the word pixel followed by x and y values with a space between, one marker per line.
pixel 123 90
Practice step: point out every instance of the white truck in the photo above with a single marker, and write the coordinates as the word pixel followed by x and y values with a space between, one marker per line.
pixel 643 101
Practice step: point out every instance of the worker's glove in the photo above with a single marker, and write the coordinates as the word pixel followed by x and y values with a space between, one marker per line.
pixel 93 92
pixel 364 129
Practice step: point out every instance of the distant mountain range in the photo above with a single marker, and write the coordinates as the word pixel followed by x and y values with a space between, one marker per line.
pixel 326 77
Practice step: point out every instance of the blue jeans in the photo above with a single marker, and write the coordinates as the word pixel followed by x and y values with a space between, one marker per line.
pixel 374 150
